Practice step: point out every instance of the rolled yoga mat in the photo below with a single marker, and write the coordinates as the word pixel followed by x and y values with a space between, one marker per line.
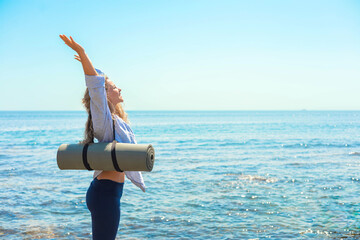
pixel 99 156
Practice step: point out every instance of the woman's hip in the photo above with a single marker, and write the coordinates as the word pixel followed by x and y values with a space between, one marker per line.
pixel 104 194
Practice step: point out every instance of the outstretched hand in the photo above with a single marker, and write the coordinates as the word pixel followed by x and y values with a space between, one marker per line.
pixel 81 57
pixel 71 43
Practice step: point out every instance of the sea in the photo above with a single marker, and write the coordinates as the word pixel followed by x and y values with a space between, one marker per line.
pixel 217 175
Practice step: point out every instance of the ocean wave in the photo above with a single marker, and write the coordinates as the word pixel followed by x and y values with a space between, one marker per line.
pixel 319 145
pixel 354 153
pixel 253 178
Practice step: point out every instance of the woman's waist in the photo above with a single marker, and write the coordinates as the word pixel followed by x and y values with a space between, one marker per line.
pixel 112 175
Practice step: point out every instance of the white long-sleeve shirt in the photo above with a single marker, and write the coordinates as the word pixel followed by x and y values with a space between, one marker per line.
pixel 103 123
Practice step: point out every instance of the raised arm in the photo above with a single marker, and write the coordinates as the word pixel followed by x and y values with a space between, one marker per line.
pixel 85 61
pixel 100 112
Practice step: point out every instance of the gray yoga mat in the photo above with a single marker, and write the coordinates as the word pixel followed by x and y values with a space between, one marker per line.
pixel 130 157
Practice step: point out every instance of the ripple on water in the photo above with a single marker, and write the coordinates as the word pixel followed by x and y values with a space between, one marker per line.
pixel 228 175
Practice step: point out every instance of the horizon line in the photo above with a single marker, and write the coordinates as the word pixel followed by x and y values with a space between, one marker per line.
pixel 192 110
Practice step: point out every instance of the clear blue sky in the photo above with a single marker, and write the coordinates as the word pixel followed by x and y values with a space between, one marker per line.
pixel 184 55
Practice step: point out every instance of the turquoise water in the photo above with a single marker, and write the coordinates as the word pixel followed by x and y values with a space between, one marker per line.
pixel 217 175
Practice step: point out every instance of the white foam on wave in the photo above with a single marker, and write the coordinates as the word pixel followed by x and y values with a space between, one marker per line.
pixel 354 153
pixel 255 178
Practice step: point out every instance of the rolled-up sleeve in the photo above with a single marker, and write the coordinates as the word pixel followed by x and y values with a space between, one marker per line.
pixel 100 112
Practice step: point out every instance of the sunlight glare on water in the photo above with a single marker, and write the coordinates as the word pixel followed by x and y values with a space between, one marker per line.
pixel 217 175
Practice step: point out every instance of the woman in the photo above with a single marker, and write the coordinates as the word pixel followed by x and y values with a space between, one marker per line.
pixel 102 101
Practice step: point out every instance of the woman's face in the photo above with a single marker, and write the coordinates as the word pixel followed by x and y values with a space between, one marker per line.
pixel 113 93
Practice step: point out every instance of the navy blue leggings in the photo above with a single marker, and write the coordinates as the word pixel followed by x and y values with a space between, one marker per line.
pixel 103 201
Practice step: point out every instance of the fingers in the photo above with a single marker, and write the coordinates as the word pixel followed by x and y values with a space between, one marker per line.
pixel 65 39
pixel 77 58
pixel 72 40
pixel 71 43
pixel 68 42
